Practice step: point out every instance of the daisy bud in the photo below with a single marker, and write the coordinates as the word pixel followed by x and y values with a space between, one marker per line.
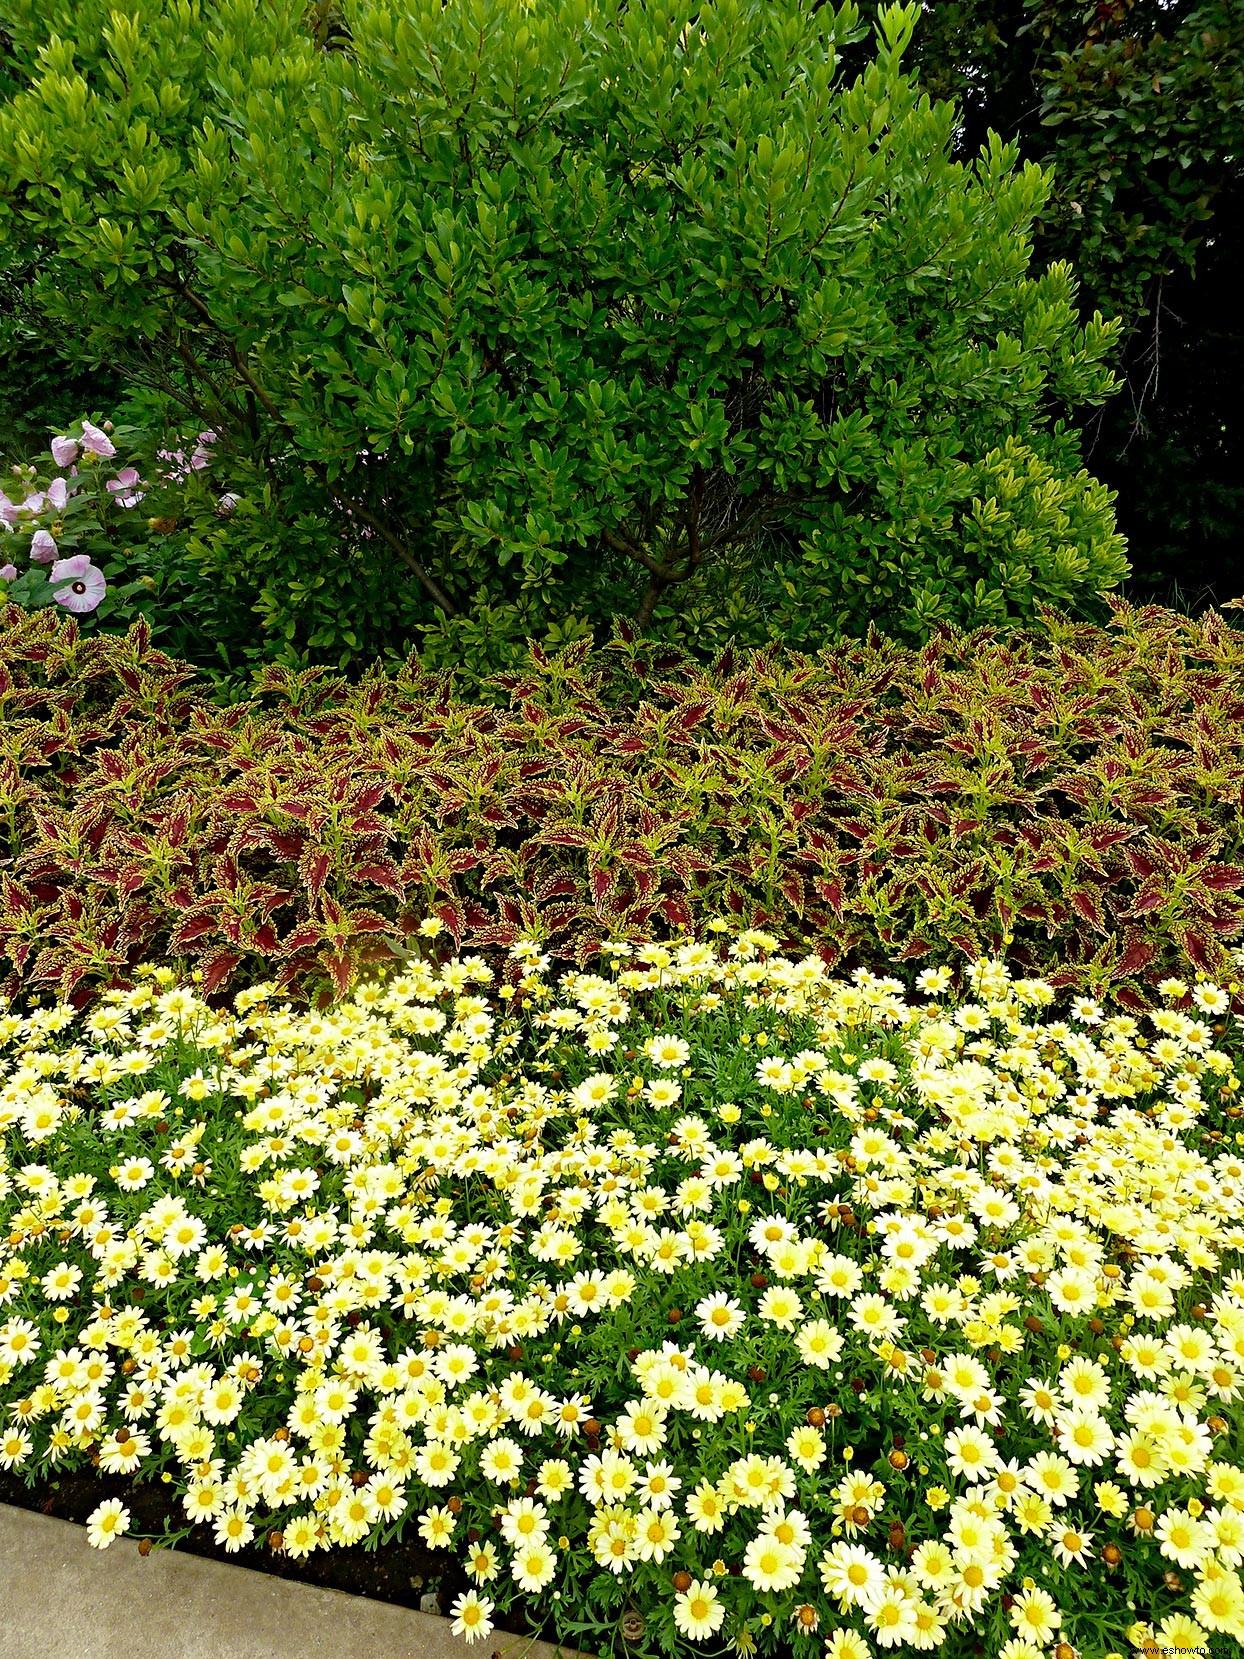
pixel 682 1582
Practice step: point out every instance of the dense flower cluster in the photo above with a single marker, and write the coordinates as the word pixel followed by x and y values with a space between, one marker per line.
pixel 70 508
pixel 776 1307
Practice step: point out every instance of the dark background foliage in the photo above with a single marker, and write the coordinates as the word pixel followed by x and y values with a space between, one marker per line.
pixel 1138 105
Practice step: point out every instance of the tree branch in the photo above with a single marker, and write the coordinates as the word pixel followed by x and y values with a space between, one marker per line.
pixel 621 545
pixel 427 582
pixel 387 534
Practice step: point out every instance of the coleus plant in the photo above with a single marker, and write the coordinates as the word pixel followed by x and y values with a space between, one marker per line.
pixel 1070 798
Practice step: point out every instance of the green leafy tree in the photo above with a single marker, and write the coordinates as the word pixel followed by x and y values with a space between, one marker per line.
pixel 1137 107
pixel 578 310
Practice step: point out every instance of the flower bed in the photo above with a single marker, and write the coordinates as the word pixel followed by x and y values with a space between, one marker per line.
pixel 713 1302
pixel 1071 798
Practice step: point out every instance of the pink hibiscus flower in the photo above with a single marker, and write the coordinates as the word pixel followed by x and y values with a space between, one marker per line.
pixel 96 441
pixel 124 482
pixel 84 584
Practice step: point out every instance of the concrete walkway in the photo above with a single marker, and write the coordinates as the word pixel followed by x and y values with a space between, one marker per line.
pixel 60 1599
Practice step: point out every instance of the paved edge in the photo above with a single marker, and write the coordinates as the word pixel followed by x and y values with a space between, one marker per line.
pixel 63 1600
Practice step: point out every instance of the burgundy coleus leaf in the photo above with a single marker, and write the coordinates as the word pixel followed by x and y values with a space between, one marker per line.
pixel 692 715
pixel 1101 837
pixel 1141 865
pixel 1084 902
pixel 1221 878
pixel 365 921
pixel 1154 896
pixel 217 966
pixel 1197 949
pixel 1128 998
pixel 556 887
pixel 792 890
pixel 1137 954
pixel 676 910
pixel 384 875
pixel 302 938
pixel 577 838
pixel 196 926
pixel 313 868
pixel 449 911
pixel 340 968
pixel 367 823
pixel 603 882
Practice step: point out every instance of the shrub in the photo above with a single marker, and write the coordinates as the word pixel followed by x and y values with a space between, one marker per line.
pixel 1072 800
pixel 583 309
pixel 714 1299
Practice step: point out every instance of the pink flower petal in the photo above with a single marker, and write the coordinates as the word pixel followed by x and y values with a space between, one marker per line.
pixel 97 441
pixel 64 451
pixel 42 548
pixel 83 586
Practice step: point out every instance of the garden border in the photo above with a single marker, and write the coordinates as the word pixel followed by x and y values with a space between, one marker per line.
pixel 63 1600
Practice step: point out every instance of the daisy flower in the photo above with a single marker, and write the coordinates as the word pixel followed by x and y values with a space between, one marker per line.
pixel 1072 1546
pixel 472 1616
pixel 107 1521
pixel 1036 1617
pixel 698 1612
pixel 720 1316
